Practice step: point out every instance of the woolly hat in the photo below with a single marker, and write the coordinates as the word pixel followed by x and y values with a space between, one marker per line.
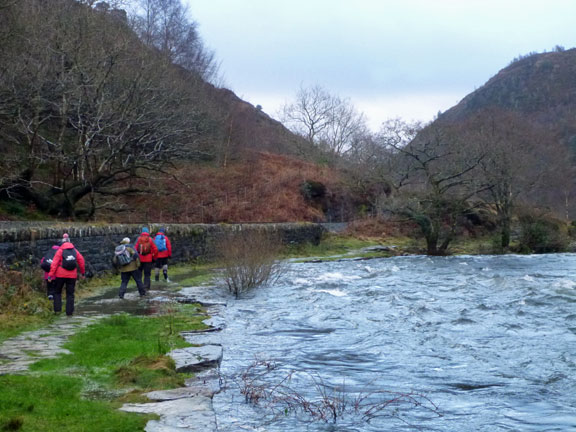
pixel 161 230
pixel 125 240
pixel 65 238
pixel 145 230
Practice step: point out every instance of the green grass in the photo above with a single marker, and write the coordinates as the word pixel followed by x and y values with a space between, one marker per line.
pixel 13 324
pixel 111 362
pixel 99 350
pixel 55 403
pixel 335 246
pixel 192 274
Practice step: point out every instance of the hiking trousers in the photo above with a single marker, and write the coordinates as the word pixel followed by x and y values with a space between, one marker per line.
pixel 146 269
pixel 70 284
pixel 125 278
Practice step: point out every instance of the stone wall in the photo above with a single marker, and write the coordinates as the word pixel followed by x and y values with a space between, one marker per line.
pixel 25 243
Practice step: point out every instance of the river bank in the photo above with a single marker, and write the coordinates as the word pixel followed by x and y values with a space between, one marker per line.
pixel 47 337
pixel 113 355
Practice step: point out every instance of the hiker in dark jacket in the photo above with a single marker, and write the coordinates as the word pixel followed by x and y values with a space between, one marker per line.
pixel 127 261
pixel 147 251
pixel 45 264
pixel 64 271
pixel 164 252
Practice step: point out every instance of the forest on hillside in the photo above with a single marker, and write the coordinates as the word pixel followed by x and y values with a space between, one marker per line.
pixel 113 112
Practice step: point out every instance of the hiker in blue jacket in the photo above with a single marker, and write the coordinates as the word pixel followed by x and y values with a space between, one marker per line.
pixel 164 252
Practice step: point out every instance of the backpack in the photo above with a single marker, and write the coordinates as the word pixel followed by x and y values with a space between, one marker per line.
pixel 144 245
pixel 122 255
pixel 160 241
pixel 46 262
pixel 69 259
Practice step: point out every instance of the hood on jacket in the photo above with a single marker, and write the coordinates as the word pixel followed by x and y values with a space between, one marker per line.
pixel 67 245
pixel 145 234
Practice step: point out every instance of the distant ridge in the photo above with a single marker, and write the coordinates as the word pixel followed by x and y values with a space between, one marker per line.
pixel 541 87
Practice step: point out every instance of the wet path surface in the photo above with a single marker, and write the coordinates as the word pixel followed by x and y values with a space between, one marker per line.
pixel 184 409
pixel 18 353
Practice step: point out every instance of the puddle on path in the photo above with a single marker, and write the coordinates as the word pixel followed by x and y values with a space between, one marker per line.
pixel 160 293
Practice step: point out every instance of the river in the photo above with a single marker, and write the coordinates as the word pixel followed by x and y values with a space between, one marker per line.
pixel 468 343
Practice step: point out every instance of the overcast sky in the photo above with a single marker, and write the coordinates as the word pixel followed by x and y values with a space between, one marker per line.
pixel 391 58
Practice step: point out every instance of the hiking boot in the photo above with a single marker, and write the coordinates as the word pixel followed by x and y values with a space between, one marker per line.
pixel 121 297
pixel 167 280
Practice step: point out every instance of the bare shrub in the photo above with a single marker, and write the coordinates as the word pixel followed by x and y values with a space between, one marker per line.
pixel 261 385
pixel 250 259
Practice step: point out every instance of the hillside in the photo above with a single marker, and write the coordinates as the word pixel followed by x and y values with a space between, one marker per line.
pixel 261 187
pixel 91 103
pixel 540 87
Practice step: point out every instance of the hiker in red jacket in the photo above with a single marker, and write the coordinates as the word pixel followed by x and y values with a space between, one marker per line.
pixel 148 252
pixel 164 252
pixel 64 271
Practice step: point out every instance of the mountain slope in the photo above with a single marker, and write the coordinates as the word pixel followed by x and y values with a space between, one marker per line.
pixel 541 87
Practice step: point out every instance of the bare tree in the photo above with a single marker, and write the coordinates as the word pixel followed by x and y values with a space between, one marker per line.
pixel 371 165
pixel 522 162
pixel 433 177
pixel 87 110
pixel 326 121
pixel 165 25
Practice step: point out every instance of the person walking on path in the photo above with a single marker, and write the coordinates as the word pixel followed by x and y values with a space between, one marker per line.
pixel 147 251
pixel 64 271
pixel 127 261
pixel 164 252
pixel 46 264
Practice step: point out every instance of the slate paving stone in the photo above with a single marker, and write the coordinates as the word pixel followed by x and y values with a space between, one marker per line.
pixel 195 359
pixel 187 414
pixel 29 347
pixel 183 409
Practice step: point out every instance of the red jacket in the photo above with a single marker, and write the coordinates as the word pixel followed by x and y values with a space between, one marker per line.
pixel 57 271
pixel 153 249
pixel 168 252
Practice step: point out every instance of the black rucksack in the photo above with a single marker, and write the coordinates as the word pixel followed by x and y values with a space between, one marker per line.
pixel 46 262
pixel 69 259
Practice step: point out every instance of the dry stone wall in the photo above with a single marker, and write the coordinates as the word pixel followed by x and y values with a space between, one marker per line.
pixel 24 243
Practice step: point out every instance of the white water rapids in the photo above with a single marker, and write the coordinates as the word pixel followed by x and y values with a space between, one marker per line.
pixel 488 340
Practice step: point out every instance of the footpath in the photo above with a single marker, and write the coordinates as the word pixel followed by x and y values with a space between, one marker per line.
pixel 183 409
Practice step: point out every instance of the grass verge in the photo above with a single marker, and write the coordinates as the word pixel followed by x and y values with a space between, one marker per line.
pixel 54 403
pixel 339 246
pixel 111 362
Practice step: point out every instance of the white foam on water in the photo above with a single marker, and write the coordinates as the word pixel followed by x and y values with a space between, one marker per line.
pixel 302 281
pixel 334 292
pixel 527 278
pixel 567 283
pixel 336 277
